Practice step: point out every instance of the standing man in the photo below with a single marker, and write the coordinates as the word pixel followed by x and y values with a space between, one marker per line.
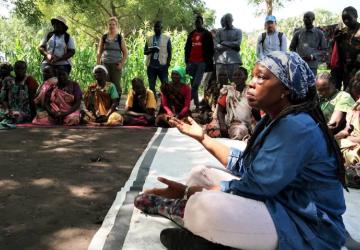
pixel 58 46
pixel 309 43
pixel 199 52
pixel 271 40
pixel 227 47
pixel 347 42
pixel 158 56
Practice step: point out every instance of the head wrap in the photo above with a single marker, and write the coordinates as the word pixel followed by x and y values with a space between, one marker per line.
pixel 7 67
pixel 292 71
pixel 182 72
pixel 100 67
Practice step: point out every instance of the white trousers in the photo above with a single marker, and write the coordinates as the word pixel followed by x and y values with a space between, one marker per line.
pixel 228 219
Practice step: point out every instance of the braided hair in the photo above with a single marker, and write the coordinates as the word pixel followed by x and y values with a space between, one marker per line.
pixel 309 105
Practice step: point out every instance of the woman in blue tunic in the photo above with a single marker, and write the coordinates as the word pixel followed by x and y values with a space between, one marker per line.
pixel 284 191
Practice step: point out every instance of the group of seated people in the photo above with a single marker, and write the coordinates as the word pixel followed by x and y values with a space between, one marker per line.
pixel 342 115
pixel 60 101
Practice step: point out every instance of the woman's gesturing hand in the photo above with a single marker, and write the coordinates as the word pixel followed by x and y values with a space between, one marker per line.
pixel 191 129
pixel 174 190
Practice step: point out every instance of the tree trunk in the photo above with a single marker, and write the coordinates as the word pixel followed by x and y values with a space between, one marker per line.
pixel 113 8
pixel 269 7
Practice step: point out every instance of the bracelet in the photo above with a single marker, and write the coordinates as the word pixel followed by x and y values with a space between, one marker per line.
pixel 186 193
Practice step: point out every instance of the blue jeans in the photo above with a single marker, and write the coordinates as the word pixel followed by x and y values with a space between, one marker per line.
pixel 196 71
pixel 155 72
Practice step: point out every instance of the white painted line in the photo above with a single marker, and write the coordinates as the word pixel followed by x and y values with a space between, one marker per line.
pixel 100 236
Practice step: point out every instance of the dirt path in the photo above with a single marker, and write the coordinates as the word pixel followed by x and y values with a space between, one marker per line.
pixel 56 185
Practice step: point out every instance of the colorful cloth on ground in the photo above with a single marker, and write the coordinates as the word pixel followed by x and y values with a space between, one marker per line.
pixel 340 101
pixel 175 101
pixel 290 68
pixel 150 101
pixel 17 96
pixel 61 100
pixel 351 150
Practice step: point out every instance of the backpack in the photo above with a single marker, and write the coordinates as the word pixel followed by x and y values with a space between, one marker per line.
pixel 119 38
pixel 263 36
pixel 51 33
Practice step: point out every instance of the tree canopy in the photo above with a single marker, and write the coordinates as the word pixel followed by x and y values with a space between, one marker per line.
pixel 91 15
pixel 270 5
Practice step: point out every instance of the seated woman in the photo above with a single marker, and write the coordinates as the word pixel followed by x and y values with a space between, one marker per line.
pixel 17 95
pixel 62 103
pixel 349 137
pixel 5 71
pixel 101 100
pixel 140 105
pixel 334 103
pixel 5 75
pixel 232 117
pixel 285 190
pixel 209 103
pixel 50 80
pixel 175 98
pixel 213 89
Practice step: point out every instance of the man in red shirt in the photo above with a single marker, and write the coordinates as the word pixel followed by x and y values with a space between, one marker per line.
pixel 199 52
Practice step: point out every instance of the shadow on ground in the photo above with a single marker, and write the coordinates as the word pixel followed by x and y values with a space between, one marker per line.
pixel 56 185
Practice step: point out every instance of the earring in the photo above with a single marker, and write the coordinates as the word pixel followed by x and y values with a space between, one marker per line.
pixel 282 96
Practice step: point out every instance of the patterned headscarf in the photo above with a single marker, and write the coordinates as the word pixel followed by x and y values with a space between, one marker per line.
pixel 292 71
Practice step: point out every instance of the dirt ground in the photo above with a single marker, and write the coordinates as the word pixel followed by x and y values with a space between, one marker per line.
pixel 56 185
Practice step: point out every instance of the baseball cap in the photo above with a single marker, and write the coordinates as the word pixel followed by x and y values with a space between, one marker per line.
pixel 270 19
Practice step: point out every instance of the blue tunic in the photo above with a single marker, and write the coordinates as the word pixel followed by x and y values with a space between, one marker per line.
pixel 295 175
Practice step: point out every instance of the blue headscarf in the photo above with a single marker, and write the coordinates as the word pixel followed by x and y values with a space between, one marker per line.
pixel 292 71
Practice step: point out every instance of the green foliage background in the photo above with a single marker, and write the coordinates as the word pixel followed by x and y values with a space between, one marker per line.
pixel 23 46
pixel 20 42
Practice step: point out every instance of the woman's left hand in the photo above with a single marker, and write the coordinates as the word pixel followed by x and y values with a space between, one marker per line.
pixel 191 128
pixel 174 190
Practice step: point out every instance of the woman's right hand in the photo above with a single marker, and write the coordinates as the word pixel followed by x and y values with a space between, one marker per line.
pixel 192 129
pixel 174 190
